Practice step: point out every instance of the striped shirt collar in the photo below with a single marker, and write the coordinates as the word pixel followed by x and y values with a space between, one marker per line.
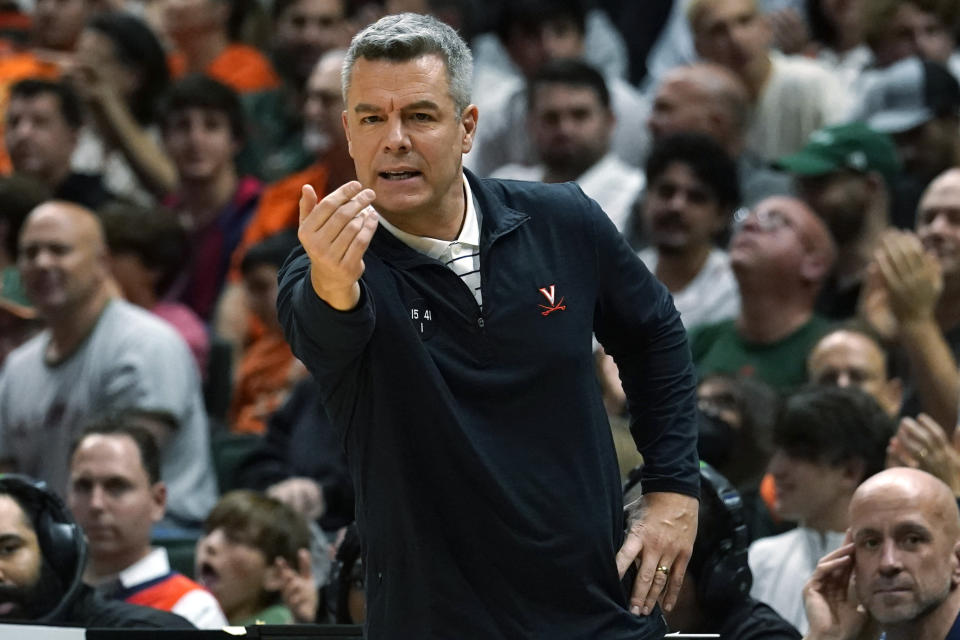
pixel 436 248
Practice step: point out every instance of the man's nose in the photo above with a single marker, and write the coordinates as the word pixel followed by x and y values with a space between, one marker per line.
pixel 843 379
pixel 678 200
pixel 889 558
pixel 397 138
pixel 21 128
pixel 312 32
pixel 939 224
pixel 195 133
pixel 97 498
pixel 43 258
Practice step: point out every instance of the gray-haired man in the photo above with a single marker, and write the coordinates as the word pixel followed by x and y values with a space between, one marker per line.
pixel 453 348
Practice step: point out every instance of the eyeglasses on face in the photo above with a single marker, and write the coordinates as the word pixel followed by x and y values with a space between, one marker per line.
pixel 766 220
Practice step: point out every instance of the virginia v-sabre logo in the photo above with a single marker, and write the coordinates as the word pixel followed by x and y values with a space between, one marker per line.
pixel 550 293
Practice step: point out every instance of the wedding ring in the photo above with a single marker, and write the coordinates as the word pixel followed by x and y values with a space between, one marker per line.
pixel 664 570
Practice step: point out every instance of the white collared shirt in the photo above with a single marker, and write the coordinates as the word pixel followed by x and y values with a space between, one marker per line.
pixel 462 256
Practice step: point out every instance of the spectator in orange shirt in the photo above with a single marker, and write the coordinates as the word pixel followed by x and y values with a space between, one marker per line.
pixel 278 208
pixel 199 30
pixel 323 134
pixel 56 27
pixel 268 369
pixel 42 123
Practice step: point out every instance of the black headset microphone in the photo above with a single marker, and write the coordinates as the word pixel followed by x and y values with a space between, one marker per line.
pixel 59 536
pixel 723 576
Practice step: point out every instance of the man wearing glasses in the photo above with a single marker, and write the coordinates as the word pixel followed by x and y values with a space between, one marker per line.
pixel 781 253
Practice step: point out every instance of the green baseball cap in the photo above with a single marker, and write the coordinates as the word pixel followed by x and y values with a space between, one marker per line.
pixel 853 146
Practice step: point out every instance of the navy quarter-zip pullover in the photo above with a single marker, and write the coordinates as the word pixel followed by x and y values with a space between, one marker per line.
pixel 488 493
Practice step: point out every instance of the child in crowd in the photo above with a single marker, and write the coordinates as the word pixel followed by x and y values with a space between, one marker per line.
pixel 247 556
pixel 268 370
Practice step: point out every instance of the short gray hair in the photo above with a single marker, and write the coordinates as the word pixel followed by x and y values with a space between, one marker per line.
pixel 407 36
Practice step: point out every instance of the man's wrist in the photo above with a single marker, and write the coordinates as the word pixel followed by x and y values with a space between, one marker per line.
pixel 917 326
pixel 340 299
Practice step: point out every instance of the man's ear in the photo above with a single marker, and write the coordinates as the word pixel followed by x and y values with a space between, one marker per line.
pixel 346 132
pixel 815 266
pixel 158 493
pixel 468 120
pixel 955 561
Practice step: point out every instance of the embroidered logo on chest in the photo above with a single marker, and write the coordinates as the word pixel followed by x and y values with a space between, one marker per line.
pixel 550 293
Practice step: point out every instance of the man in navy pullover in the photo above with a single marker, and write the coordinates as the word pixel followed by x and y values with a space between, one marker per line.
pixel 453 350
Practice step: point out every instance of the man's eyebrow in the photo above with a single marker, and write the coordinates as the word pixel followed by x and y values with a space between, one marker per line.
pixel 363 107
pixel 911 527
pixel 422 104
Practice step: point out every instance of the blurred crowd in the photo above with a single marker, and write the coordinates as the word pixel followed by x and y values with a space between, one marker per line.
pixel 788 169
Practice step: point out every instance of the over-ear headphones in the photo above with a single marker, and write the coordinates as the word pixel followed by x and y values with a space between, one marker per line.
pixel 60 538
pixel 724 576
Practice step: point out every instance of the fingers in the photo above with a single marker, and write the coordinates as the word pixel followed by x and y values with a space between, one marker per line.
pixel 650 581
pixel 832 574
pixel 298 591
pixel 677 571
pixel 666 531
pixel 936 433
pixel 629 550
pixel 305 562
pixel 920 438
pixel 332 214
pixel 886 268
pixel 903 252
pixel 335 232
pixel 912 277
pixel 831 578
pixel 921 441
pixel 898 456
pixel 308 200
pixel 363 222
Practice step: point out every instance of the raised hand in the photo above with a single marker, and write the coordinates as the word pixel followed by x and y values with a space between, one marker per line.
pixel 335 232
pixel 923 444
pixel 831 605
pixel 298 590
pixel 303 495
pixel 911 276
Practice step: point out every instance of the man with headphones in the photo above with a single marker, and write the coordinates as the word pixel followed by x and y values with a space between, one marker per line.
pixel 715 597
pixel 42 556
